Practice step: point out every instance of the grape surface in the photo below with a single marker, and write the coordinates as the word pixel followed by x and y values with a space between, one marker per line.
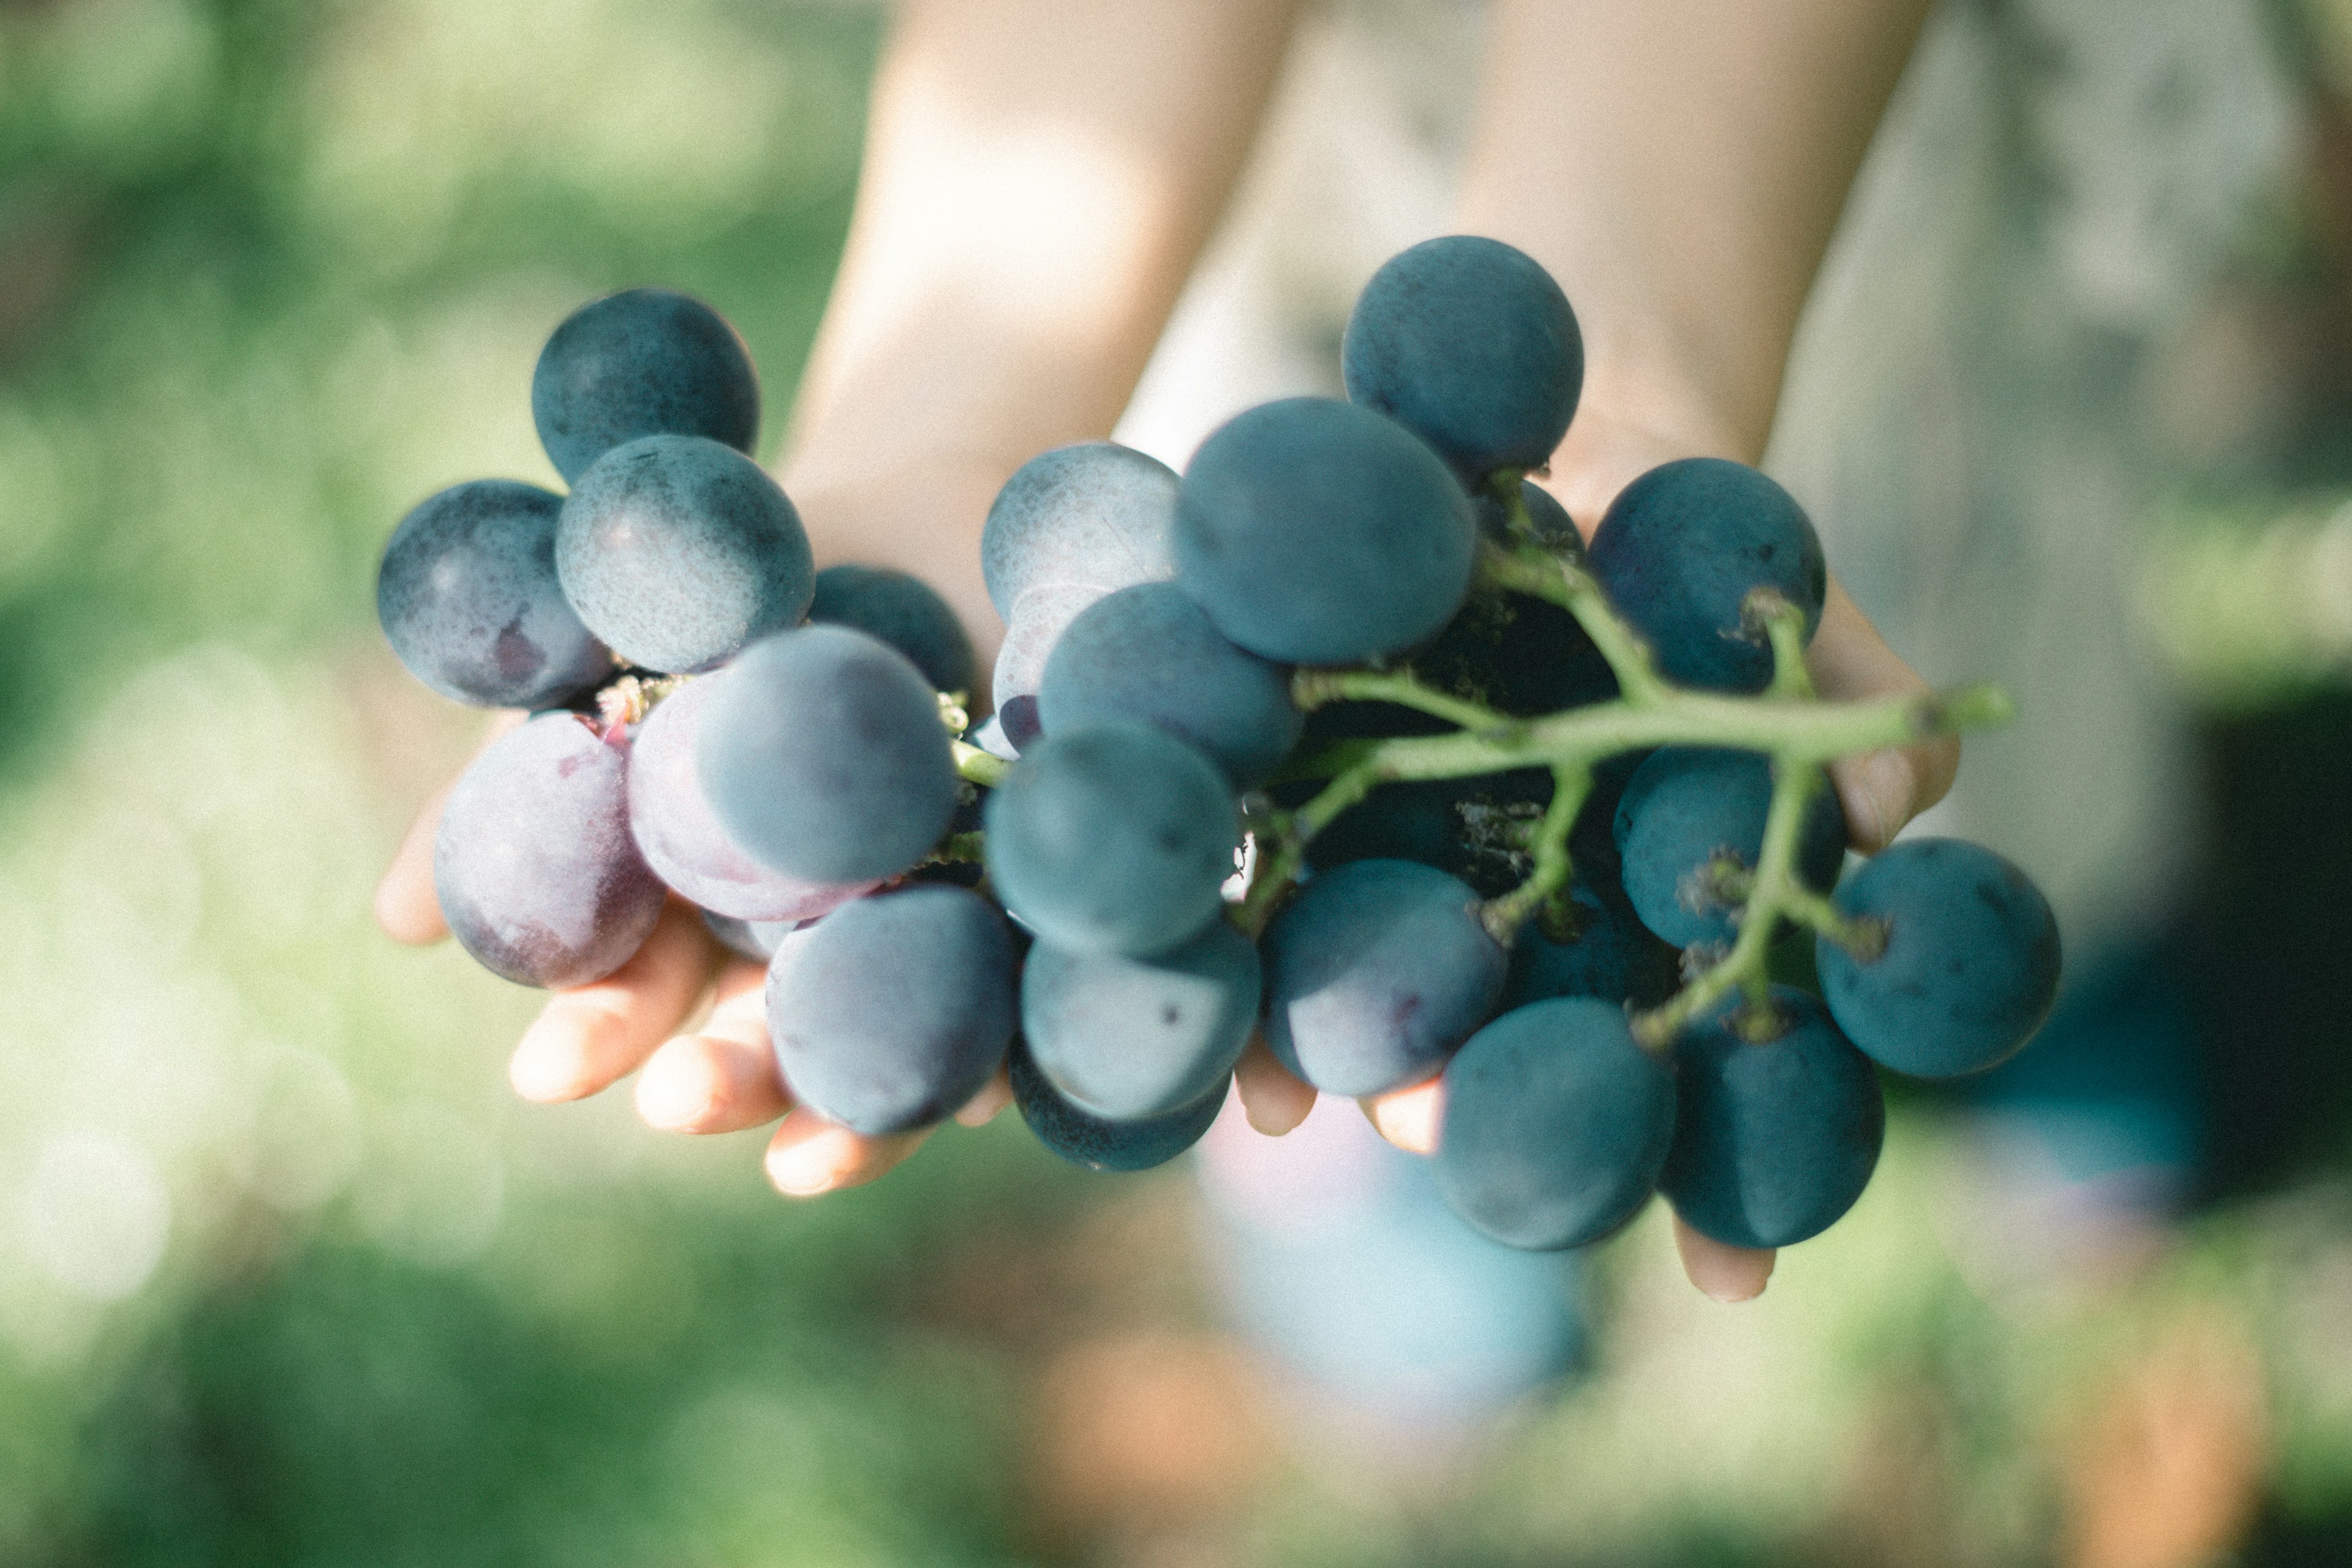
pixel 891 1012
pixel 1612 957
pixel 1148 653
pixel 1690 805
pixel 1971 965
pixel 1127 1038
pixel 1556 1125
pixel 468 599
pixel 1773 1140
pixel 533 863
pixel 1680 549
pixel 648 362
pixel 1314 532
pixel 755 940
pixel 1114 837
pixel 821 754
pixel 678 552
pixel 1374 972
pixel 1470 344
pixel 1095 515
pixel 1098 1143
pixel 903 611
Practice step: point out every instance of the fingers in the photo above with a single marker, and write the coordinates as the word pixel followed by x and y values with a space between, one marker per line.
pixel 1410 1118
pixel 1273 1101
pixel 406 905
pixel 723 1077
pixel 1880 790
pixel 587 1038
pixel 1722 1273
pixel 993 1097
pixel 810 1155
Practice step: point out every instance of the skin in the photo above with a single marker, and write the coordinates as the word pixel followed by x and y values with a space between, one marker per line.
pixel 1039 179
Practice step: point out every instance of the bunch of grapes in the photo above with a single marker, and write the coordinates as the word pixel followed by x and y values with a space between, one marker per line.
pixel 1342 738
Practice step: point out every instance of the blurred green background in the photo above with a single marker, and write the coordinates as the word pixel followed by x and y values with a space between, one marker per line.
pixel 288 1277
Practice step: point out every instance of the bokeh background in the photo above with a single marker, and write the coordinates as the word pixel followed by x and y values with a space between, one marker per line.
pixel 288 1277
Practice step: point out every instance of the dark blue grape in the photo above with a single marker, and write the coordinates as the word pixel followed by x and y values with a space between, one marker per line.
pixel 1680 549
pixel 1148 653
pixel 1314 532
pixel 1475 829
pixel 1468 344
pixel 903 611
pixel 1133 1038
pixel 649 362
pixel 756 940
pixel 679 551
pixel 821 754
pixel 1100 1144
pixel 1689 806
pixel 470 601
pixel 1094 515
pixel 534 866
pixel 681 838
pixel 890 1012
pixel 1374 972
pixel 1518 655
pixel 1773 1140
pixel 1552 526
pixel 1611 955
pixel 1970 964
pixel 1112 838
pixel 1556 1125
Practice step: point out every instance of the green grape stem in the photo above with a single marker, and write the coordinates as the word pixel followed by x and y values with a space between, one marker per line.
pixel 975 766
pixel 1786 722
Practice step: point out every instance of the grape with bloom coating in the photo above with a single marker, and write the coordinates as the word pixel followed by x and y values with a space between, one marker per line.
pixel 905 612
pixel 1094 515
pixel 647 362
pixel 1133 1038
pixel 1098 1143
pixel 1688 809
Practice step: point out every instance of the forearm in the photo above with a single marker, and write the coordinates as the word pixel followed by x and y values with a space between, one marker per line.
pixel 1679 165
pixel 1038 179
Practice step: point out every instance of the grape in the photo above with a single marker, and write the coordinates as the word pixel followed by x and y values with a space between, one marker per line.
pixel 649 362
pixel 534 868
pixel 1556 1125
pixel 1688 807
pixel 1112 838
pixel 1100 1144
pixel 756 940
pixel 1971 965
pixel 678 552
pixel 468 600
pixel 1468 344
pixel 1148 653
pixel 1374 972
pixel 891 1012
pixel 1314 532
pixel 1095 515
pixel 1553 529
pixel 1773 1140
pixel 822 755
pixel 903 611
pixel 1678 551
pixel 1475 829
pixel 1128 1039
pixel 1520 655
pixel 682 841
pixel 1611 955
pixel 1039 619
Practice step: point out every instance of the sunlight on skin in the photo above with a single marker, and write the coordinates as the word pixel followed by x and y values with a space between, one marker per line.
pixel 1726 1274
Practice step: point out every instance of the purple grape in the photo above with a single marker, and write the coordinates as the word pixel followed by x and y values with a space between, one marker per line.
pixel 1038 620
pixel 755 940
pixel 681 838
pixel 649 362
pixel 534 866
pixel 1133 1038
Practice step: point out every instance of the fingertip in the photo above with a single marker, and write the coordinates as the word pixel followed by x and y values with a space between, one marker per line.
pixel 1721 1272
pixel 1272 1101
pixel 810 1157
pixel 680 1087
pixel 407 913
pixel 1410 1118
pixel 993 1097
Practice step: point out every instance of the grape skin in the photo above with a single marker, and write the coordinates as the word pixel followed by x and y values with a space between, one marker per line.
pixel 683 841
pixel 1374 972
pixel 1970 967
pixel 1470 344
pixel 533 863
pixel 648 362
pixel 1128 1039
pixel 1773 1140
pixel 1039 619
pixel 1678 551
pixel 1094 515
pixel 469 598
pixel 1552 526
pixel 1147 652
pixel 1612 956
pixel 1314 532
pixel 1112 837
pixel 1556 1125
pixel 1689 805
pixel 821 754
pixel 753 941
pixel 678 552
pixel 903 611
pixel 893 1011
pixel 1098 1143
